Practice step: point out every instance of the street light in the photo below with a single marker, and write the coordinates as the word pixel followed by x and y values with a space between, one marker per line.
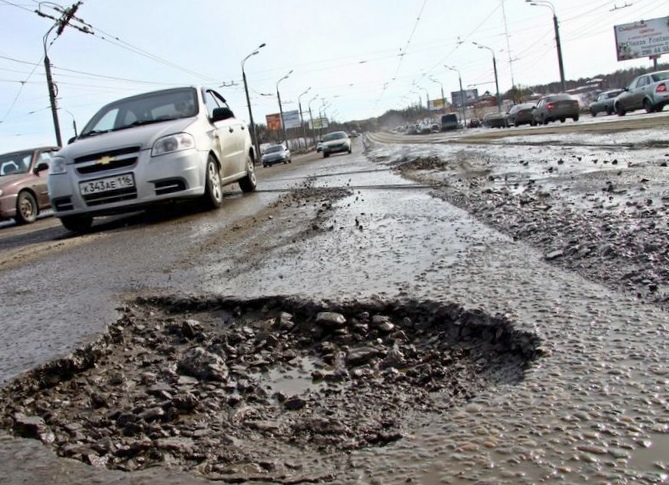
pixel 443 100
pixel 311 118
pixel 546 3
pixel 463 98
pixel 283 124
pixel 494 66
pixel 248 102
pixel 299 104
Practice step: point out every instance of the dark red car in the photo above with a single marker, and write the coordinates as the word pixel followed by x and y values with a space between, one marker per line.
pixel 23 187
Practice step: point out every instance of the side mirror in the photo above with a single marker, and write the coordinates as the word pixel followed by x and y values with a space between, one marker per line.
pixel 41 167
pixel 221 114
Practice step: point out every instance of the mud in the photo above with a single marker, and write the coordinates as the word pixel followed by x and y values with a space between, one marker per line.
pixel 600 211
pixel 208 385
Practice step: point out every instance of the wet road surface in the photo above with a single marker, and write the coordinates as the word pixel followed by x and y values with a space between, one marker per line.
pixel 596 409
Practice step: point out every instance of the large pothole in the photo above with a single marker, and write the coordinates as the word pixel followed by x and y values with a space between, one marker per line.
pixel 223 387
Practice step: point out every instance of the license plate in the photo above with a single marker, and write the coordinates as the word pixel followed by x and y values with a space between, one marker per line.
pixel 107 184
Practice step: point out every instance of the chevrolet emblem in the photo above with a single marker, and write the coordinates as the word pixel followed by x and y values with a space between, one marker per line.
pixel 106 160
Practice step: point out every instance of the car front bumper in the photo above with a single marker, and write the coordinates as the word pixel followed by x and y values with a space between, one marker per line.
pixel 336 148
pixel 8 206
pixel 156 179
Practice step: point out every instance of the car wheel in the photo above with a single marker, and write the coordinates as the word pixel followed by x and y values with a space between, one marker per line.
pixel 213 192
pixel 249 182
pixel 264 165
pixel 26 208
pixel 648 106
pixel 575 118
pixel 562 120
pixel 516 124
pixel 77 223
pixel 620 110
pixel 349 150
pixel 326 155
pixel 544 120
pixel 593 113
pixel 609 111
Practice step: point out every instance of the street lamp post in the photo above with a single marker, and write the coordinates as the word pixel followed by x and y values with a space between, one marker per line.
pixel 494 66
pixel 278 95
pixel 546 3
pixel 443 100
pixel 299 104
pixel 311 118
pixel 248 103
pixel 463 98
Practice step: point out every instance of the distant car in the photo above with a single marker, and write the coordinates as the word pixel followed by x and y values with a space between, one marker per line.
pixel 354 134
pixel 604 102
pixel 336 142
pixel 494 120
pixel 449 122
pixel 520 114
pixel 555 107
pixel 23 183
pixel 149 149
pixel 276 154
pixel 649 91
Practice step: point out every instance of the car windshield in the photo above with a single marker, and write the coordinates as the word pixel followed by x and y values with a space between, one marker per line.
pixel 660 76
pixel 14 163
pixel 613 94
pixel 274 149
pixel 334 136
pixel 142 110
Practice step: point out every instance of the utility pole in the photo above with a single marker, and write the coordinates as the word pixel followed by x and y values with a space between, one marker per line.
pixel 67 15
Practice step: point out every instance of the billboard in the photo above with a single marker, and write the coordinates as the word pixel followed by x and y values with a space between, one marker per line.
pixel 646 38
pixel 471 96
pixel 273 122
pixel 291 119
pixel 318 123
pixel 437 104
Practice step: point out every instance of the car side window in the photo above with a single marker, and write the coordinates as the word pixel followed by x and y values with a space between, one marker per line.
pixel 211 103
pixel 45 157
pixel 643 81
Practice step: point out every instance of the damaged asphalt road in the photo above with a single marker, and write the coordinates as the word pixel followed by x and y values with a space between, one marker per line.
pixel 585 401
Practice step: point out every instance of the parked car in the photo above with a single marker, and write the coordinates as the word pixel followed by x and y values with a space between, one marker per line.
pixel 604 102
pixel 23 183
pixel 494 120
pixel 555 107
pixel 449 122
pixel 648 91
pixel 319 146
pixel 276 154
pixel 520 114
pixel 336 142
pixel 151 148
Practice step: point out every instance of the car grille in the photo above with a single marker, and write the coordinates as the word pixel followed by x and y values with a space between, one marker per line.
pixel 111 196
pixel 107 161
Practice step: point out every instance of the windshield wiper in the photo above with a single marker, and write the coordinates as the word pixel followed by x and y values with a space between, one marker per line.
pixel 93 133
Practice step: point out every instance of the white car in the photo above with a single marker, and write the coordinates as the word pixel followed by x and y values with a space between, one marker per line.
pixel 276 154
pixel 335 142
pixel 148 149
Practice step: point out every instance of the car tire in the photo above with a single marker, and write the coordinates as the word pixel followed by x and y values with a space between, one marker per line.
pixel 516 124
pixel 620 110
pixel 326 155
pixel 648 106
pixel 575 118
pixel 593 113
pixel 213 191
pixel 562 120
pixel 264 165
pixel 249 182
pixel 609 111
pixel 26 208
pixel 544 120
pixel 77 223
pixel 349 151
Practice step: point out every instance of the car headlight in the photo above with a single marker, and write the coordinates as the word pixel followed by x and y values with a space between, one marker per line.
pixel 172 143
pixel 57 166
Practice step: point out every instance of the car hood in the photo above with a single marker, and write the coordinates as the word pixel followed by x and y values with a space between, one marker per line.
pixel 141 136
pixel 339 141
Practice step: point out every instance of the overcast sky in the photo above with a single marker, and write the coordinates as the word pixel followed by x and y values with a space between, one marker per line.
pixel 360 57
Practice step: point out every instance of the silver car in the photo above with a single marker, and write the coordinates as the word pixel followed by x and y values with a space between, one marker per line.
pixel 649 91
pixel 604 102
pixel 336 142
pixel 151 148
pixel 276 154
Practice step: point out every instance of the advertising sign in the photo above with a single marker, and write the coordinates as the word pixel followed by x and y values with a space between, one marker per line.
pixel 291 119
pixel 318 124
pixel 273 122
pixel 646 38
pixel 471 95
pixel 437 104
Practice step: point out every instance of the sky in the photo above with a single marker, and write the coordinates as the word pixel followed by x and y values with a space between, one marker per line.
pixel 347 59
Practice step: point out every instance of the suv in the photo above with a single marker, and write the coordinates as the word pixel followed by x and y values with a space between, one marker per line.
pixel 151 148
pixel 649 91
